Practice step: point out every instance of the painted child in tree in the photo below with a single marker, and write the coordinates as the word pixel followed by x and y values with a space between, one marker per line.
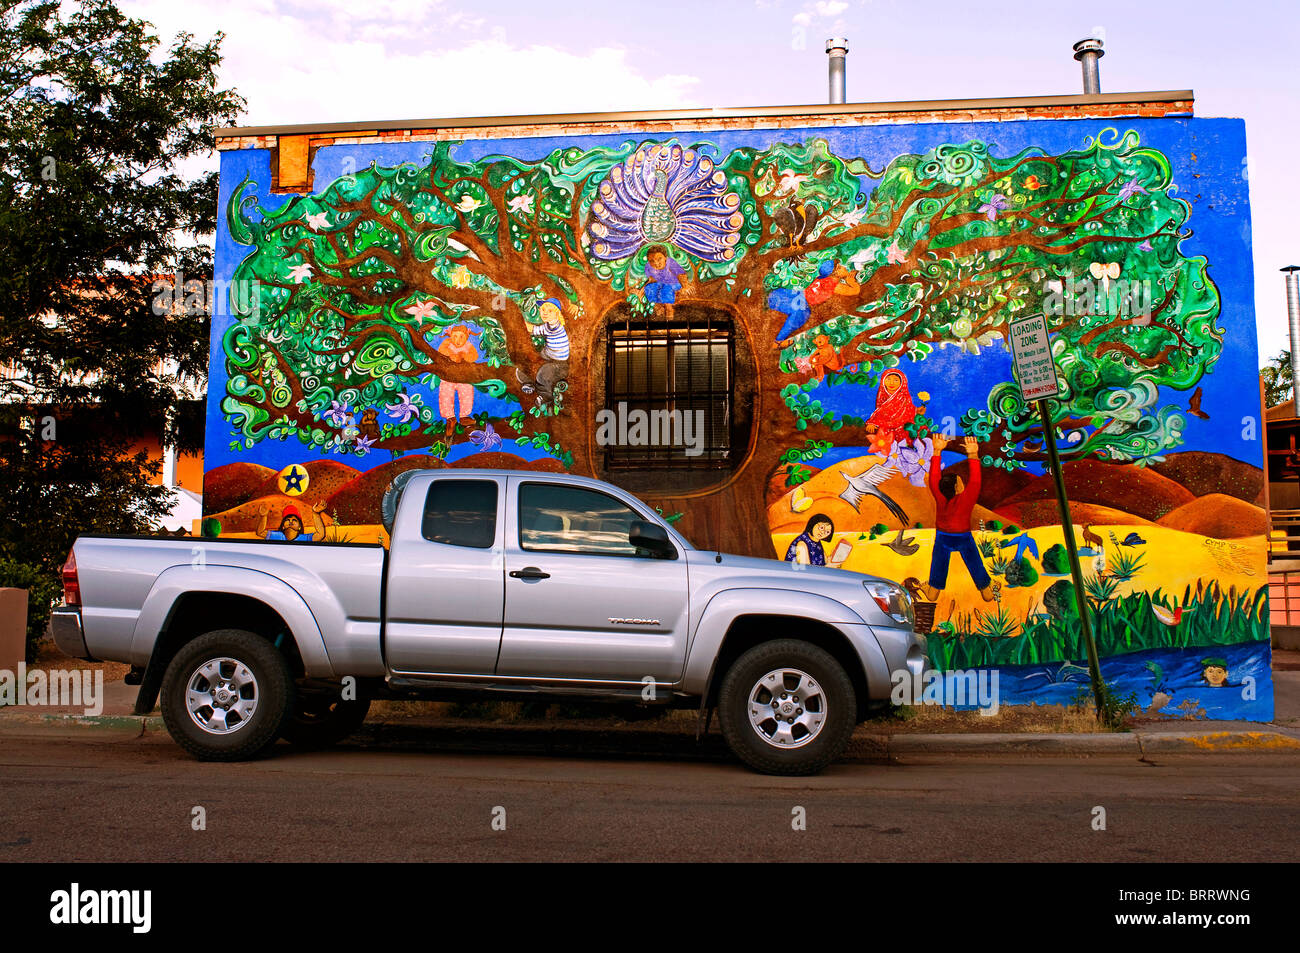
pixel 459 349
pixel 954 502
pixel 797 303
pixel 553 375
pixel 663 279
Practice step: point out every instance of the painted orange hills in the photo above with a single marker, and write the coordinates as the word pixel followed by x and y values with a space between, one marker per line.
pixel 1218 515
pixel 1219 500
pixel 350 496
pixel 1144 493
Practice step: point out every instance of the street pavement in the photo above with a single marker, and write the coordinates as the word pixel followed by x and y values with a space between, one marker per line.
pixel 117 795
pixel 116 788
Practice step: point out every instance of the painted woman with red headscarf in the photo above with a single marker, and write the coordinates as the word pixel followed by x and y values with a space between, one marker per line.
pixel 894 411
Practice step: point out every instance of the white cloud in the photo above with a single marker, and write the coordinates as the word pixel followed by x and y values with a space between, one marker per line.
pixel 403 59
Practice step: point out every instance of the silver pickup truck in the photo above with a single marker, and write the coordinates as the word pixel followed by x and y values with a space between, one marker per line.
pixel 494 584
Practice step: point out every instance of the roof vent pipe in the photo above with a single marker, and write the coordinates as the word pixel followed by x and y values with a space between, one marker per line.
pixel 837 48
pixel 1088 51
pixel 1293 320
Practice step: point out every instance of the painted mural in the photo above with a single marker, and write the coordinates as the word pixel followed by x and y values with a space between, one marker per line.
pixel 445 304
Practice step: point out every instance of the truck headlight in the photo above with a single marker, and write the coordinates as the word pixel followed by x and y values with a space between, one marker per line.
pixel 893 600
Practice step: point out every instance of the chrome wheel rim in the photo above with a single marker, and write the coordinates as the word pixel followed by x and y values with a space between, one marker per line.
pixel 787 708
pixel 221 695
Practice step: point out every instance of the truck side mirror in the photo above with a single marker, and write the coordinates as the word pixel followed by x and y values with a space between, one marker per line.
pixel 652 537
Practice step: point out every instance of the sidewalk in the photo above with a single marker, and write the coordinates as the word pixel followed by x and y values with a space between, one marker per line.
pixel 874 741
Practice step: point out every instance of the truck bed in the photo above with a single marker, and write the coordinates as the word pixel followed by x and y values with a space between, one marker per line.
pixel 341 583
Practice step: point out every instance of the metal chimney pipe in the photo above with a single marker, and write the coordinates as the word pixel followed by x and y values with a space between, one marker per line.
pixel 1088 51
pixel 1293 319
pixel 837 48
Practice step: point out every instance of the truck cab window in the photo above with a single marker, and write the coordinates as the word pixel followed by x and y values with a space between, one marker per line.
pixel 571 519
pixel 461 513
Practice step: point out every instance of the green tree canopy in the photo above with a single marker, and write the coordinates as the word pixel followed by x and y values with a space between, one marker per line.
pixel 96 123
pixel 946 247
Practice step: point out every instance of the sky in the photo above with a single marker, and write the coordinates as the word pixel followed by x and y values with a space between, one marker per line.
pixel 327 61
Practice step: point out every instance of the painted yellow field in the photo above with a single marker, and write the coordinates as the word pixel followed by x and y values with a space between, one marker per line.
pixel 1171 561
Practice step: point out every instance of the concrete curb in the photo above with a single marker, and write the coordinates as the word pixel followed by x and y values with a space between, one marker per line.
pixel 642 741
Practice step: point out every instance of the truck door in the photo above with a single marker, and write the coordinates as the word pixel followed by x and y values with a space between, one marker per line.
pixel 581 603
pixel 445 579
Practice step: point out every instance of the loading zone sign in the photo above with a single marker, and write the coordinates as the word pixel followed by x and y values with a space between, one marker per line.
pixel 1032 353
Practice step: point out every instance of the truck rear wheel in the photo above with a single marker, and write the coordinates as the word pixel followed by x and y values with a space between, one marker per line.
pixel 322 718
pixel 226 694
pixel 787 707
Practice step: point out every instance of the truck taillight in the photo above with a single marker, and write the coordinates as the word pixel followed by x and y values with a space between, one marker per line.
pixel 71 587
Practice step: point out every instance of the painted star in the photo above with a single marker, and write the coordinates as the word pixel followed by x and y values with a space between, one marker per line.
pixel 293 480
pixel 300 273
pixel 318 221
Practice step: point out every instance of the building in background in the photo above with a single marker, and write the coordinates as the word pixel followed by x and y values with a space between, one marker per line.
pixel 786 328
pixel 180 471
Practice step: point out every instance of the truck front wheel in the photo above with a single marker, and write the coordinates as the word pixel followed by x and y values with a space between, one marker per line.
pixel 787 707
pixel 226 694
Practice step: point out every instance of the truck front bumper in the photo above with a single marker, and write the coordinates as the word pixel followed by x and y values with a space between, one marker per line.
pixel 65 626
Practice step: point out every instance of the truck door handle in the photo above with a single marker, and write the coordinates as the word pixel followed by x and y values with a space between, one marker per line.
pixel 530 572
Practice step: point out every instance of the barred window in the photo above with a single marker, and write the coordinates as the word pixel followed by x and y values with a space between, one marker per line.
pixel 669 392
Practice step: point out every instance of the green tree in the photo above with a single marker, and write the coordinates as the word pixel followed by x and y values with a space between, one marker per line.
pixel 96 126
pixel 1277 379
pixel 945 248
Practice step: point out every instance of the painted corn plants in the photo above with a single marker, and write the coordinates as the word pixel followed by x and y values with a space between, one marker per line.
pixel 1203 617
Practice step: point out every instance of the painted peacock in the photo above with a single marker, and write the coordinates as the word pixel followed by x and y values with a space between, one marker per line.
pixel 665 194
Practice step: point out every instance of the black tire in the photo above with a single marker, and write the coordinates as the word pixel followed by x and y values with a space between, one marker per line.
pixel 273 690
pixel 320 719
pixel 833 692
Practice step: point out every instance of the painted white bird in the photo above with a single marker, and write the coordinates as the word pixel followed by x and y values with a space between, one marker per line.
pixel 318 221
pixel 468 204
pixel 868 483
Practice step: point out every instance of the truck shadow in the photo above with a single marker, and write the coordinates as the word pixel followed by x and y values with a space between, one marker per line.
pixel 596 743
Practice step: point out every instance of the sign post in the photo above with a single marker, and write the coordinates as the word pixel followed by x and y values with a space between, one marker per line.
pixel 1031 352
